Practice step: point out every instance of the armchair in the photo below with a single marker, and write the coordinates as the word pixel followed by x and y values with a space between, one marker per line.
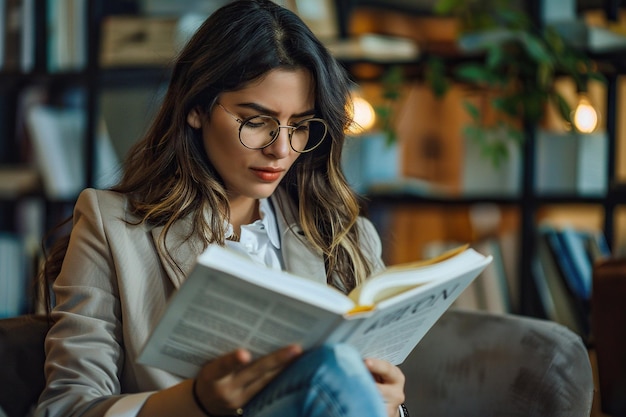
pixel 479 364
pixel 469 364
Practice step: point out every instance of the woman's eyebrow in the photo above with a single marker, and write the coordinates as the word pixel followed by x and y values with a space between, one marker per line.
pixel 265 110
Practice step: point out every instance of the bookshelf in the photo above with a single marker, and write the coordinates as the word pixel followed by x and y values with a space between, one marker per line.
pixel 529 202
pixel 55 67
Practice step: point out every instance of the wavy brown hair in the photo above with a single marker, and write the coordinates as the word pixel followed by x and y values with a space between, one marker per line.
pixel 167 175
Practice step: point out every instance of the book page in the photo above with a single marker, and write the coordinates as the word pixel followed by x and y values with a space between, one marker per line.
pixel 215 312
pixel 400 278
pixel 282 282
pixel 396 325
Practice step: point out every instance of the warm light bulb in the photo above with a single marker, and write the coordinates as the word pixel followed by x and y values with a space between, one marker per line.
pixel 363 116
pixel 585 116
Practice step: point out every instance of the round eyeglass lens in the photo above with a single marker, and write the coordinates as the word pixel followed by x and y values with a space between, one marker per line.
pixel 308 134
pixel 258 132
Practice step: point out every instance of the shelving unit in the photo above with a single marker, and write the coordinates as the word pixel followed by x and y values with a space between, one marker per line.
pixel 15 148
pixel 529 201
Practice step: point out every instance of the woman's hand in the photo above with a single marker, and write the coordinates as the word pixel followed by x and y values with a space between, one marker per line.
pixel 390 382
pixel 230 381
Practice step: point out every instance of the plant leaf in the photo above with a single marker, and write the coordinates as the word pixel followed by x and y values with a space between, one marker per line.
pixel 495 56
pixel 444 7
pixel 563 107
pixel 472 110
pixel 514 19
pixel 594 75
pixel 435 76
pixel 475 73
pixel 511 131
pixel 536 49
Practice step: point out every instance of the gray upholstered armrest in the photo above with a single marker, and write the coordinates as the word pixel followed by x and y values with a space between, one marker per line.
pixel 480 364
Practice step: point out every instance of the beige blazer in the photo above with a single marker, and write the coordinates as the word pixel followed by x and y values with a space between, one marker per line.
pixel 113 287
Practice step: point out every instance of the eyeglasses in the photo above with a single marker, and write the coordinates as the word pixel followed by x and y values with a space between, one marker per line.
pixel 260 131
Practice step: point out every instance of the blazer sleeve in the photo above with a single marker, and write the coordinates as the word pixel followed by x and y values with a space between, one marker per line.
pixel 84 348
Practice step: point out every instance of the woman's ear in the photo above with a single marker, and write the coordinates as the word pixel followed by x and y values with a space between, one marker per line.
pixel 194 119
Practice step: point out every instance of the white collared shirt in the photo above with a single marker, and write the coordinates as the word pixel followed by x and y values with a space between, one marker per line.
pixel 260 240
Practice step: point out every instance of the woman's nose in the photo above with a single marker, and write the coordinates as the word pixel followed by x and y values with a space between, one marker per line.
pixel 280 148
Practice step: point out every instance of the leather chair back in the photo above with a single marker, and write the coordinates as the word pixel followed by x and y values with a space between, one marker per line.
pixel 22 357
pixel 608 325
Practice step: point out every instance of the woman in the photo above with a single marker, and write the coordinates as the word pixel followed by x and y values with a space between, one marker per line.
pixel 245 151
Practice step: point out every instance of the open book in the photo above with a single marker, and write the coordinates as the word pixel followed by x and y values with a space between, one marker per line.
pixel 229 301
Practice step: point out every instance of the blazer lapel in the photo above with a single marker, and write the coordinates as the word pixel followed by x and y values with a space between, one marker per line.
pixel 183 250
pixel 299 257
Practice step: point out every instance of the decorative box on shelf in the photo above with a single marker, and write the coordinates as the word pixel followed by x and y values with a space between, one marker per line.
pixel 571 163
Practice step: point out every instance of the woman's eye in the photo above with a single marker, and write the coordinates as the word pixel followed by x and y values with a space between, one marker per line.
pixel 257 122
pixel 302 126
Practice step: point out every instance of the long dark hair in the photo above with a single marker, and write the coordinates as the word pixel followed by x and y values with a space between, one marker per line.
pixel 167 175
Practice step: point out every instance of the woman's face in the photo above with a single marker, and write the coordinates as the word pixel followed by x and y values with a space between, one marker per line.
pixel 287 95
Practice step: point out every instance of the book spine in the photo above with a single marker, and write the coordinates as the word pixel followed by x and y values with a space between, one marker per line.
pixel 569 278
pixel 12 276
pixel 574 246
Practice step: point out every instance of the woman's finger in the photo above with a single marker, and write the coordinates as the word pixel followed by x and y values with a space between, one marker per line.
pixel 256 376
pixel 384 371
pixel 229 363
pixel 390 382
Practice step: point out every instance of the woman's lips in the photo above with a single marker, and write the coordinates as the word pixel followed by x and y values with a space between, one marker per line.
pixel 267 174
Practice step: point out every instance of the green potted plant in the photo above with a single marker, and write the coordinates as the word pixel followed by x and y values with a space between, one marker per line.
pixel 514 59
pixel 392 83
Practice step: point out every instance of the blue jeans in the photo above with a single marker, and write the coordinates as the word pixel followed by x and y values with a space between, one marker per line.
pixel 329 381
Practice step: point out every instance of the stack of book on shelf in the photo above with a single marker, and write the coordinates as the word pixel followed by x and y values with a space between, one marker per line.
pixel 18 180
pixel 138 41
pixel 17 35
pixel 374 47
pixel 67 35
pixel 495 289
pixel 563 271
pixel 13 282
pixel 20 252
pixel 66 31
pixel 58 136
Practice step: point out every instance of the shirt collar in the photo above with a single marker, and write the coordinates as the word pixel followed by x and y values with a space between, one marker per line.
pixel 268 218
